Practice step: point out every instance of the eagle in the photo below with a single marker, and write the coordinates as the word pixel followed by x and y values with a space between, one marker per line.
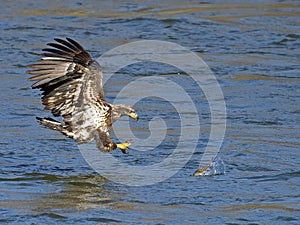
pixel 71 85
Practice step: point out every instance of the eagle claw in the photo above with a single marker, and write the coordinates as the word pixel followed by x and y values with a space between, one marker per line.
pixel 123 146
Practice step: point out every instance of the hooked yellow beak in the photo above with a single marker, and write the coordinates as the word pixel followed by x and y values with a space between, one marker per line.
pixel 134 116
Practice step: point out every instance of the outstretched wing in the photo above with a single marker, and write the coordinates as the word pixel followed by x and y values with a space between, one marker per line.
pixel 71 82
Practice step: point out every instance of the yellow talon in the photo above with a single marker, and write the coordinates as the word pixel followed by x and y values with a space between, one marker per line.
pixel 124 146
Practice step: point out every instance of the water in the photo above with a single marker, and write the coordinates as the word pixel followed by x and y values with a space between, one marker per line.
pixel 253 49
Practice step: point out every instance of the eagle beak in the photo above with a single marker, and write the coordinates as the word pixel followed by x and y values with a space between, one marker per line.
pixel 134 116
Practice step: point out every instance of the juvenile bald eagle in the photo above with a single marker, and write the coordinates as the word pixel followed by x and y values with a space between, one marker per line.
pixel 71 85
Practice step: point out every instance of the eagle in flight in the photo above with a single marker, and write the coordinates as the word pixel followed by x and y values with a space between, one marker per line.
pixel 71 85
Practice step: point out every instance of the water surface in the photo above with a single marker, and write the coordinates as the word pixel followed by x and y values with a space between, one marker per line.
pixel 253 49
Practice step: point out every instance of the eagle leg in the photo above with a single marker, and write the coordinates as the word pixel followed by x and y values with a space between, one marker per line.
pixel 104 142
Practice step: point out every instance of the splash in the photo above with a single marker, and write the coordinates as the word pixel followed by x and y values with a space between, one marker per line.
pixel 215 167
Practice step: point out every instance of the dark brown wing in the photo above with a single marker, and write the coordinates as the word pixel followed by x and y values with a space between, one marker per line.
pixel 72 85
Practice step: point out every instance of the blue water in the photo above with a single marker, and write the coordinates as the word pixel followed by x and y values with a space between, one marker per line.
pixel 253 50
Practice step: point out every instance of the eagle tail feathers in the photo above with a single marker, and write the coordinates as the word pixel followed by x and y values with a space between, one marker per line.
pixel 55 125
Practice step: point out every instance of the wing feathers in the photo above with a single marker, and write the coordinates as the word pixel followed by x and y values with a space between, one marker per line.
pixel 58 53
pixel 76 44
pixel 66 43
pixel 71 85
pixel 61 47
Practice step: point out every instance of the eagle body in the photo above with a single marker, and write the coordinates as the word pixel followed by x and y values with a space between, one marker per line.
pixel 71 85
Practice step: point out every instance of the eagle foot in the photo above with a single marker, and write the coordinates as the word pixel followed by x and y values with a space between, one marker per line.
pixel 124 146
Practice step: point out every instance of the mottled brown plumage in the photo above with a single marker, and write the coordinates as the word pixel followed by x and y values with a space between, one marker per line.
pixel 71 85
